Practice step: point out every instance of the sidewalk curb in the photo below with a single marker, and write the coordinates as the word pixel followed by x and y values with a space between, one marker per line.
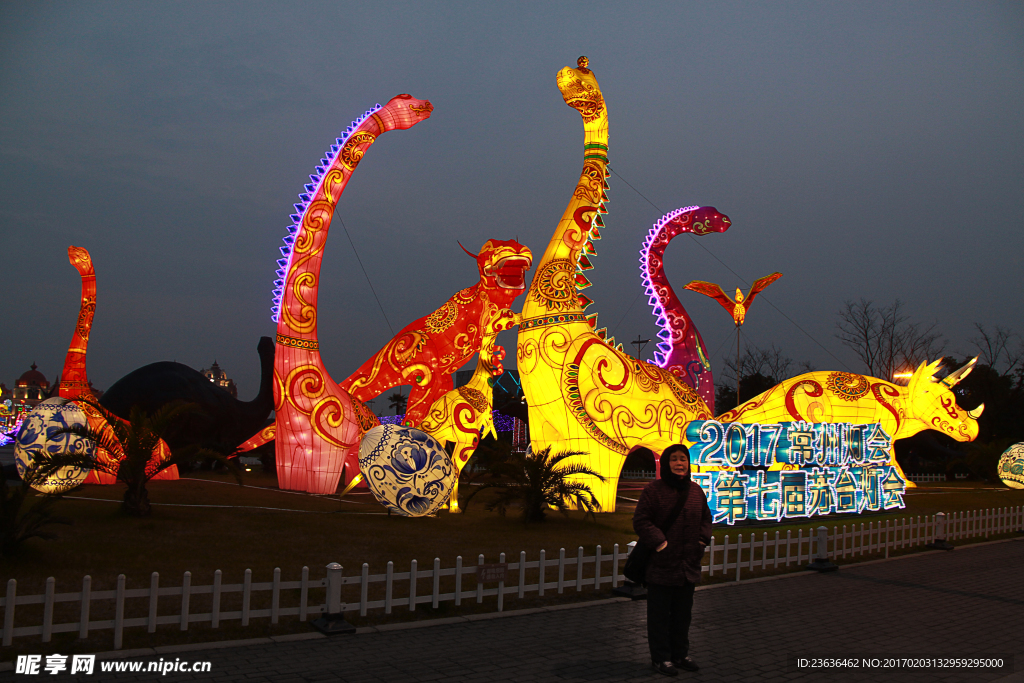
pixel 485 616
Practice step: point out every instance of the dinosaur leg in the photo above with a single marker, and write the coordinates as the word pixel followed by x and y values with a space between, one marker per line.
pixel 422 397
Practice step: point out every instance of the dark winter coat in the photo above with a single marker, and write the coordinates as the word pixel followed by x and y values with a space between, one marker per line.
pixel 679 562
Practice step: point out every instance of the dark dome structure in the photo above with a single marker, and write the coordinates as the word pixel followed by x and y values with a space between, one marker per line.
pixel 220 421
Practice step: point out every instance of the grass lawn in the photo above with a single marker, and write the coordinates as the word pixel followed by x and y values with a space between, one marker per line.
pixel 207 522
pixel 259 527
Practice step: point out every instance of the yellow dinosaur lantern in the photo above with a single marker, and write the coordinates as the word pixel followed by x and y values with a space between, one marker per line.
pixel 584 393
pixel 824 397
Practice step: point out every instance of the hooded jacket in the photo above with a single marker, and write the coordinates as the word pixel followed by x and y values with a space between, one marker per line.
pixel 679 562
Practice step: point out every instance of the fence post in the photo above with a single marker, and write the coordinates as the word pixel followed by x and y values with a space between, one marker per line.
pixel 275 599
pixel 389 587
pixel 119 612
pixel 458 580
pixel 940 542
pixel 246 596
pixel 51 585
pixel 186 594
pixel 501 585
pixel 479 583
pixel 821 562
pixel 413 571
pixel 436 592
pixel 540 572
pixel 154 597
pixel 12 593
pixel 364 581
pixel 522 573
pixel 218 577
pixel 615 566
pixel 333 622
pixel 561 570
pixel 83 620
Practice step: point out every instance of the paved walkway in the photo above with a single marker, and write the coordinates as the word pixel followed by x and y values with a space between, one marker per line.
pixel 966 603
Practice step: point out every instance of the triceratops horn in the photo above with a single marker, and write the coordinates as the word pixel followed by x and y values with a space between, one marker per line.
pixel 976 413
pixel 954 377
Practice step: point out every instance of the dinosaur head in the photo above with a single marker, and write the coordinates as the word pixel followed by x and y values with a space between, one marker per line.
pixel 80 259
pixel 503 265
pixel 405 112
pixel 580 91
pixel 708 219
pixel 932 403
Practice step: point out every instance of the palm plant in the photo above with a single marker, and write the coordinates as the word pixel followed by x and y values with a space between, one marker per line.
pixel 538 481
pixel 397 401
pixel 131 443
pixel 18 524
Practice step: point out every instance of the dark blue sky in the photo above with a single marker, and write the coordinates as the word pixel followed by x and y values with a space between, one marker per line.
pixel 863 149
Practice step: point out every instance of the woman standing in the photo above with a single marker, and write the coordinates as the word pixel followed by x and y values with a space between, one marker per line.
pixel 674 570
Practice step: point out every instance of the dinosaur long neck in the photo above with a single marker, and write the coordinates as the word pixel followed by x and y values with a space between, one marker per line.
pixel 295 293
pixel 74 380
pixel 680 350
pixel 560 272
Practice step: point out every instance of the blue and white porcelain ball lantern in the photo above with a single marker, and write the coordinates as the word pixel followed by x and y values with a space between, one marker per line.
pixel 39 434
pixel 407 470
pixel 1011 466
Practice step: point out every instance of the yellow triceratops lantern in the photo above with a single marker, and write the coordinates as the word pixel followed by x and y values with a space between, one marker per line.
pixel 925 403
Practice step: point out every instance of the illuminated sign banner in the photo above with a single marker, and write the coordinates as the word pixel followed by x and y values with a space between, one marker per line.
pixel 821 468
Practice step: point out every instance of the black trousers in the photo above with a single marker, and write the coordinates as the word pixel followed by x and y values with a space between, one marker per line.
pixel 668 621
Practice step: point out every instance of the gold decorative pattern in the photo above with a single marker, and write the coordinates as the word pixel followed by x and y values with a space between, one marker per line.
pixel 847 386
pixel 349 155
pixel 85 315
pixel 556 287
pixel 296 343
pixel 467 295
pixel 475 398
pixel 443 318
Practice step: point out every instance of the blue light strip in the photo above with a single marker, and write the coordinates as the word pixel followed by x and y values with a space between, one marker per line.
pixel 502 422
pixel 665 333
pixel 284 263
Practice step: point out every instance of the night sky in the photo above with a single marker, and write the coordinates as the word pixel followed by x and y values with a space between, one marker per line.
pixel 863 149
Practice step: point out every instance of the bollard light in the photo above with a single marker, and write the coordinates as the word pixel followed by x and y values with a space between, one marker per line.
pixel 940 542
pixel 821 562
pixel 333 622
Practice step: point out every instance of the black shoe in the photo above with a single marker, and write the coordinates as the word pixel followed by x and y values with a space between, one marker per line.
pixel 665 668
pixel 686 663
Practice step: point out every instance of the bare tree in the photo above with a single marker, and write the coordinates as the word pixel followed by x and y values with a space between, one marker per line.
pixel 994 346
pixel 768 362
pixel 885 339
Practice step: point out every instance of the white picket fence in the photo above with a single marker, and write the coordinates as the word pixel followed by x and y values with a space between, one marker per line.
pixel 393 589
pixel 636 474
pixel 925 478
pixel 853 541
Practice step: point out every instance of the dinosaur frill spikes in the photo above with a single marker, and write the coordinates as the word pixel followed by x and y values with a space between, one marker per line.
pixel 309 191
pixel 646 270
pixel 583 261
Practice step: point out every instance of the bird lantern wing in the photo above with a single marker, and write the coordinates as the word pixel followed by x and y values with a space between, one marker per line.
pixel 759 285
pixel 714 291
